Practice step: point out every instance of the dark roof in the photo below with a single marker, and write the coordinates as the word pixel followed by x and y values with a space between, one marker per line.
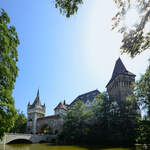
pixel 61 106
pixel 49 117
pixel 87 96
pixel 36 101
pixel 119 69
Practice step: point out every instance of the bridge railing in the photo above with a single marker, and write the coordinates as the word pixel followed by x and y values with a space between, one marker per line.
pixel 17 134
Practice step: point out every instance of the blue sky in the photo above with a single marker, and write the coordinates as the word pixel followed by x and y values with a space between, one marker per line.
pixel 65 57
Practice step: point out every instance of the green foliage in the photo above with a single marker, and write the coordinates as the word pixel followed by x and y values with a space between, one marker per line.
pixel 8 72
pixel 68 7
pixel 100 123
pixel 142 97
pixel 115 119
pixel 143 90
pixel 20 123
pixel 76 126
pixel 135 40
pixel 143 131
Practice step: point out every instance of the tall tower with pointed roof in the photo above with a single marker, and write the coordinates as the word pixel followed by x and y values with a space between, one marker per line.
pixel 34 111
pixel 119 86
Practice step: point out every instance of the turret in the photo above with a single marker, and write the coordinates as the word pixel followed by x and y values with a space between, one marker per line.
pixel 34 111
pixel 60 109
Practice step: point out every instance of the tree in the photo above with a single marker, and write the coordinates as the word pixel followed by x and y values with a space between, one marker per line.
pixel 115 119
pixel 76 127
pixel 8 72
pixel 68 7
pixel 100 123
pixel 143 132
pixel 127 120
pixel 104 110
pixel 20 123
pixel 135 38
pixel 143 90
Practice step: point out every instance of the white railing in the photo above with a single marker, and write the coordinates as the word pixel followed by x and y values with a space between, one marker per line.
pixel 18 134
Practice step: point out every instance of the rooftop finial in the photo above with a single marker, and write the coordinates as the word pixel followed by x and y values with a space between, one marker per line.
pixel 38 93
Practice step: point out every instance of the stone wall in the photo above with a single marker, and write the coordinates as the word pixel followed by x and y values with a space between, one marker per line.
pixel 120 87
pixel 54 123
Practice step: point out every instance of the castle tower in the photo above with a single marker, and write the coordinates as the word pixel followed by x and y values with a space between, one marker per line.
pixel 119 86
pixel 34 111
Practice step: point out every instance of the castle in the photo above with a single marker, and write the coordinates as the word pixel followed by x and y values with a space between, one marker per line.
pixel 119 87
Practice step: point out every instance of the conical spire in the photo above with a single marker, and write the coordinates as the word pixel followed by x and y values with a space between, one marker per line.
pixel 37 100
pixel 119 69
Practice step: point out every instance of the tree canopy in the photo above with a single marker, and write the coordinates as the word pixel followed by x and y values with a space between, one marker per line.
pixel 8 72
pixel 101 122
pixel 20 123
pixel 68 7
pixel 136 38
pixel 143 90
pixel 76 126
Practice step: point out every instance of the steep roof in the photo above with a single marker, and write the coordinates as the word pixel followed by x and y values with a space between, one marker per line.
pixel 87 96
pixel 36 101
pixel 119 69
pixel 61 106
